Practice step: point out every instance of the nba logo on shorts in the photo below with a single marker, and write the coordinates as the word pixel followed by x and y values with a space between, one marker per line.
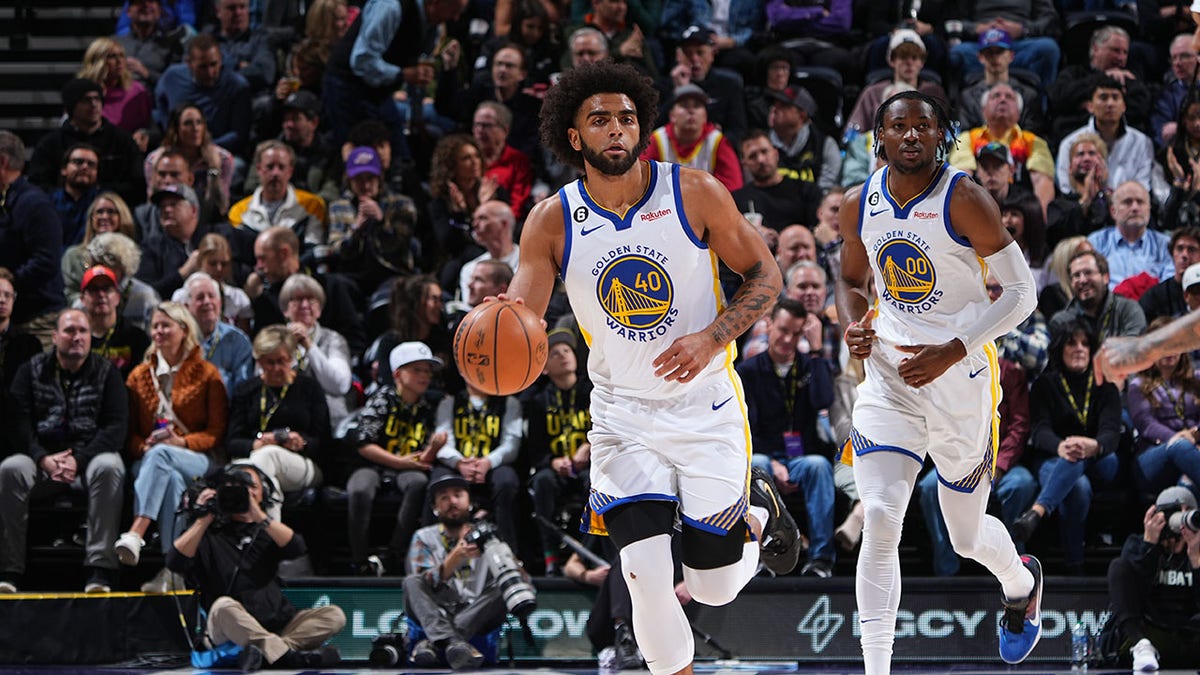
pixel 635 292
pixel 908 274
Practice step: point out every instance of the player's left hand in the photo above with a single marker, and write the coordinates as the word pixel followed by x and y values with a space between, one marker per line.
pixel 929 361
pixel 686 357
pixel 1119 357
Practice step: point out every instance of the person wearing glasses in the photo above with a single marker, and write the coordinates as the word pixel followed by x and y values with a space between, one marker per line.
pixel 73 198
pixel 279 421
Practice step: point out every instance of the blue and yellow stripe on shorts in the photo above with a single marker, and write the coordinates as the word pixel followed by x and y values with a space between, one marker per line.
pixel 987 465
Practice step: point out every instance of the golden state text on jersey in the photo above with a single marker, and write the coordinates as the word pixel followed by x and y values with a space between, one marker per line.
pixel 636 280
pixel 928 277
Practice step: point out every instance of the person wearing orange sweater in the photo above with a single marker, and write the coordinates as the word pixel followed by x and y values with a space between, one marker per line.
pixel 178 411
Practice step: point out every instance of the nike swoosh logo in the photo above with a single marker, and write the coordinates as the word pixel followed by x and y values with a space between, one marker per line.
pixel 867 620
pixel 978 372
pixel 718 406
pixel 875 213
pixel 584 233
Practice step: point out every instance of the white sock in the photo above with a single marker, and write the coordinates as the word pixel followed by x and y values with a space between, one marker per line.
pixel 761 513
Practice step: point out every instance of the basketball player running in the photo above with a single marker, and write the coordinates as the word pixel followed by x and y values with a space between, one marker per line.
pixel 636 244
pixel 921 228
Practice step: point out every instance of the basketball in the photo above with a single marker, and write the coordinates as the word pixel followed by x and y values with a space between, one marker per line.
pixel 500 347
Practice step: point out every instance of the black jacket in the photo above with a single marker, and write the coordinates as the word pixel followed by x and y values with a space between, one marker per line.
pixel 31 248
pixel 120 160
pixel 303 410
pixel 242 561
pixel 809 388
pixel 87 411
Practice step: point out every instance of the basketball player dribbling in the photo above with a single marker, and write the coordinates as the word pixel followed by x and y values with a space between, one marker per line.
pixel 929 236
pixel 637 244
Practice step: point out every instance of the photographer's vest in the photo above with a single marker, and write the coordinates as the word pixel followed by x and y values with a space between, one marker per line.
pixel 568 419
pixel 407 427
pixel 477 432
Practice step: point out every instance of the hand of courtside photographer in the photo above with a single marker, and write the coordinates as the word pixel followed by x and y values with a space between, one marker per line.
pixel 206 495
pixel 1152 525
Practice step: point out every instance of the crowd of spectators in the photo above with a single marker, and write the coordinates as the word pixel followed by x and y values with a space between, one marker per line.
pixel 271 222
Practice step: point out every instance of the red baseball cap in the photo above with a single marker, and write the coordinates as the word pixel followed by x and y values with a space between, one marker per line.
pixel 97 271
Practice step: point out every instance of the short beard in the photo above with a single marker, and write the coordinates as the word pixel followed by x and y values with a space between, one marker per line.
pixel 455 521
pixel 606 166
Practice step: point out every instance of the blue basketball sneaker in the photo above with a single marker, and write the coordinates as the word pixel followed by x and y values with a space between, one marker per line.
pixel 1021 623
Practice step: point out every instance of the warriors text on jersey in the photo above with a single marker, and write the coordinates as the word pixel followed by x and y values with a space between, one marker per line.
pixel 637 281
pixel 929 279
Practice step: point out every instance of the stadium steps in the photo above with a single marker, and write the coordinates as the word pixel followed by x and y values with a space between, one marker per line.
pixel 41 46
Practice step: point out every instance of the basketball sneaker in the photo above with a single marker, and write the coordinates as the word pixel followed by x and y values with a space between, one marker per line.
pixel 1145 657
pixel 1021 623
pixel 779 548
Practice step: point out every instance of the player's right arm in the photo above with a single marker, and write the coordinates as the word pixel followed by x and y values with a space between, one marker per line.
pixel 541 255
pixel 852 287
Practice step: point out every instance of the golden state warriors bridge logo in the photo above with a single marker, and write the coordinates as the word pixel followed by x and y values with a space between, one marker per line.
pixel 636 293
pixel 908 275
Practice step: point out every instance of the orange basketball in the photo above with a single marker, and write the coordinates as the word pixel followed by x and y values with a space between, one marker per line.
pixel 500 347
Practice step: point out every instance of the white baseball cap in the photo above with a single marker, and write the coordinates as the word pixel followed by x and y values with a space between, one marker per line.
pixel 413 352
pixel 1191 276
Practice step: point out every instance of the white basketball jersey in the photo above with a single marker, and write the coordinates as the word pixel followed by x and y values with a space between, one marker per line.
pixel 636 282
pixel 930 282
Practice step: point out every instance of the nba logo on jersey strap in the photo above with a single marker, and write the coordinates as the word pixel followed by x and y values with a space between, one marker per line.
pixel 636 294
pixel 909 278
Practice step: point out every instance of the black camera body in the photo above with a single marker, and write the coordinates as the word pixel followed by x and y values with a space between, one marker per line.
pixel 519 595
pixel 232 484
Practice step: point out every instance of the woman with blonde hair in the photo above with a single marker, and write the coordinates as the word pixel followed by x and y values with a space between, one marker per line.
pixel 127 102
pixel 216 260
pixel 177 416
pixel 1057 293
pixel 326 21
pixel 212 166
pixel 279 420
pixel 108 213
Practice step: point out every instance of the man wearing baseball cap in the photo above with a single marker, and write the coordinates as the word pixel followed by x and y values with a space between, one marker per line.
pixel 996 56
pixel 559 418
pixel 697 50
pixel 396 445
pixel 906 56
pixel 120 167
pixel 113 338
pixel 689 139
pixel 170 256
pixel 803 147
pixel 314 157
pixel 1150 588
pixel 372 228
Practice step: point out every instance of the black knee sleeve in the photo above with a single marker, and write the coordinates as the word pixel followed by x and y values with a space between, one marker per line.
pixel 703 550
pixel 635 521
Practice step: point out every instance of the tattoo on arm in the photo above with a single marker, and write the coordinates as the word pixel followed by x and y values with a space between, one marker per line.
pixel 1174 340
pixel 753 298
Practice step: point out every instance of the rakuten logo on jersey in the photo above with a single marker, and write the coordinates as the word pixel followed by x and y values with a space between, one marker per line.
pixel 926 215
pixel 655 215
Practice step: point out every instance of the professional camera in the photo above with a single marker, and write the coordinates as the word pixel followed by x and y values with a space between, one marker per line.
pixel 232 484
pixel 387 650
pixel 1177 518
pixel 519 596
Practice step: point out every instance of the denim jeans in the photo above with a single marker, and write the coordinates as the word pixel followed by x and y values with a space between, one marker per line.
pixel 160 479
pixel 1037 54
pixel 1015 490
pixel 814 475
pixel 1067 489
pixel 1161 466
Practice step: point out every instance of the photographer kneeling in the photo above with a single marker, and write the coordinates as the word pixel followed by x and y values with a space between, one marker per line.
pixel 1155 601
pixel 462 580
pixel 232 552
